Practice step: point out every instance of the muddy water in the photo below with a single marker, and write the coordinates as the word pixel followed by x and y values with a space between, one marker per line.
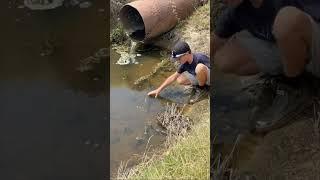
pixel 131 110
pixel 53 118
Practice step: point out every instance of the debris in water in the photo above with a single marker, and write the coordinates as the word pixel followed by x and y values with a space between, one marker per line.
pixel 74 2
pixel 102 53
pixel 146 130
pixel 173 120
pixel 86 4
pixel 101 10
pixel 140 140
pixel 47 48
pixel 127 131
pixel 84 68
pixel 21 7
pixel 42 5
pixel 86 63
pixel 95 79
pixel 96 146
pixel 138 55
pixel 126 59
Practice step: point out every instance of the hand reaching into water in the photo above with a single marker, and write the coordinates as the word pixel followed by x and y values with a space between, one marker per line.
pixel 154 93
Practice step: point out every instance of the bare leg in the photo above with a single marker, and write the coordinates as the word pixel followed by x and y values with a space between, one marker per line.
pixel 201 74
pixel 293 31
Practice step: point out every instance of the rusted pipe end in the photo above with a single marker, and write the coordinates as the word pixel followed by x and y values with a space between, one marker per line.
pixel 132 22
pixel 147 19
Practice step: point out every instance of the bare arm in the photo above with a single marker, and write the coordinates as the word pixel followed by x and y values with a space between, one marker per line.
pixel 166 83
pixel 169 81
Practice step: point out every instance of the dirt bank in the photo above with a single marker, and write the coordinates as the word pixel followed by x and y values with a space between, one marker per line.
pixel 292 152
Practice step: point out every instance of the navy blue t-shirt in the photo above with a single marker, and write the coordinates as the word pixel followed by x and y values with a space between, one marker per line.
pixel 197 58
pixel 259 21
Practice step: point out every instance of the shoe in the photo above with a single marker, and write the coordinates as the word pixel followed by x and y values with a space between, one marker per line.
pixel 189 89
pixel 276 104
pixel 199 95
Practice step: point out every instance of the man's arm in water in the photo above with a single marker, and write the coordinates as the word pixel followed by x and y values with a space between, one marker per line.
pixel 166 83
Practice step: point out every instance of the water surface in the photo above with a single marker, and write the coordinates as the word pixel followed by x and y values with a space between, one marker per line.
pixel 53 117
pixel 131 110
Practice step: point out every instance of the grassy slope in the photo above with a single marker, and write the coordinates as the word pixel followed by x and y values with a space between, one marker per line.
pixel 189 156
pixel 196 30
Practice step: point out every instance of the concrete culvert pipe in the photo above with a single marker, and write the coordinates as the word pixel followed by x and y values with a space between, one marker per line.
pixel 147 19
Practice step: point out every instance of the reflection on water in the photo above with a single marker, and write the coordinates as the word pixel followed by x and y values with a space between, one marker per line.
pixel 53 118
pixel 130 110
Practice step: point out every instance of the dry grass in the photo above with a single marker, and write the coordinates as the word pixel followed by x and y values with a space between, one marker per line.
pixel 222 169
pixel 115 6
pixel 196 29
pixel 316 119
pixel 173 120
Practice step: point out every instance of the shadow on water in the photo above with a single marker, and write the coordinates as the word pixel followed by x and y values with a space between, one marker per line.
pixel 230 107
pixel 53 117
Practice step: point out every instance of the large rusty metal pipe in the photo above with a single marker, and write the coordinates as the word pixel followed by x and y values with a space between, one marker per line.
pixel 147 19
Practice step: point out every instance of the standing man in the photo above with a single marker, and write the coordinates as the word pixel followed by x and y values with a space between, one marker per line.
pixel 194 70
pixel 271 37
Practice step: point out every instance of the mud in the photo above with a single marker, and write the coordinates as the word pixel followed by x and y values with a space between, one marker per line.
pixel 288 153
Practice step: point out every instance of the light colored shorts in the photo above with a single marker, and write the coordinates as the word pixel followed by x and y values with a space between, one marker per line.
pixel 268 57
pixel 193 79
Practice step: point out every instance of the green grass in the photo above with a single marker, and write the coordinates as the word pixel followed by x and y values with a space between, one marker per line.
pixel 187 157
pixel 118 35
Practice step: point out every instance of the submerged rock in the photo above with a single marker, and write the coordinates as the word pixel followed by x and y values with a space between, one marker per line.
pixel 139 140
